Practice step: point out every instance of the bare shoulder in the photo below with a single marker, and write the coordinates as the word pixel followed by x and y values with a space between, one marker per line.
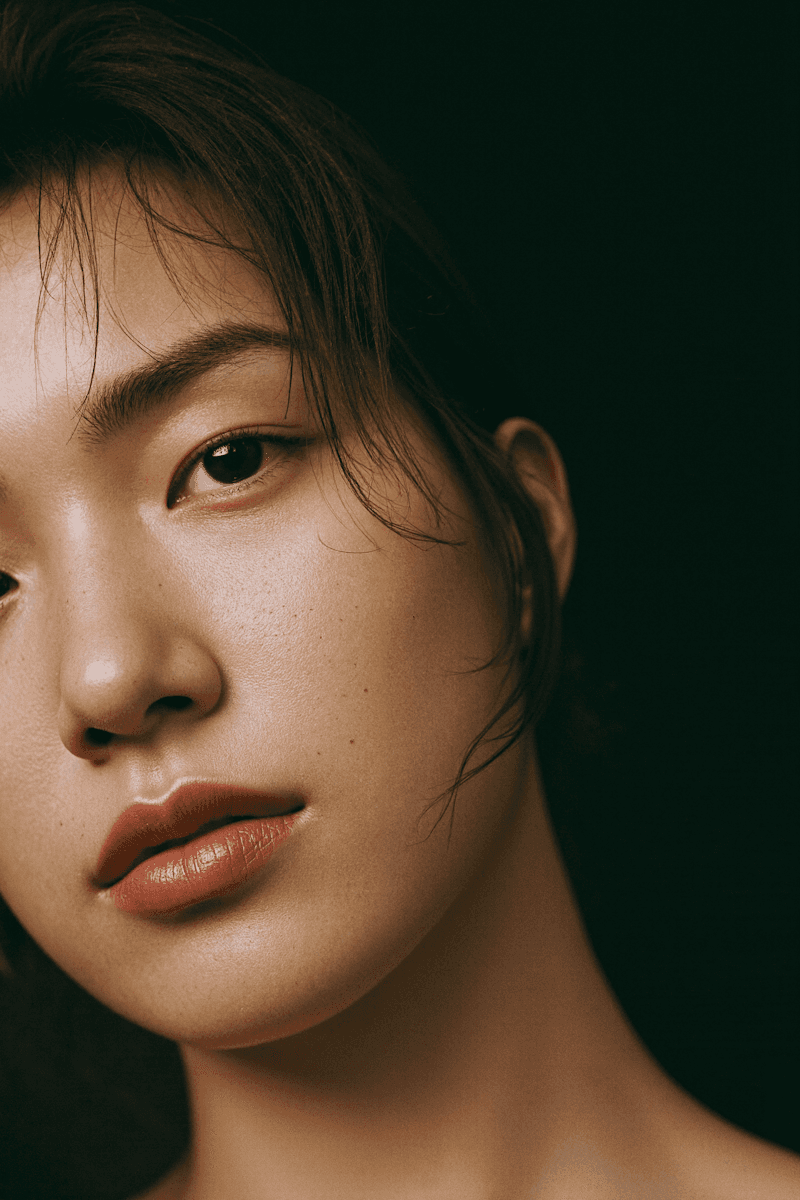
pixel 733 1165
pixel 682 1152
pixel 708 1158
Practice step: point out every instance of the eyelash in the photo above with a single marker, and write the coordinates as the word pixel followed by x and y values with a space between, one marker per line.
pixel 234 435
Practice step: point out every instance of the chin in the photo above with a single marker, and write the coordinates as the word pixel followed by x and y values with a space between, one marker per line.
pixel 244 989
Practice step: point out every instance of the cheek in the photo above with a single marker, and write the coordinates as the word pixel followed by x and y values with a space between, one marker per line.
pixel 349 663
pixel 38 812
pixel 365 655
pixel 44 828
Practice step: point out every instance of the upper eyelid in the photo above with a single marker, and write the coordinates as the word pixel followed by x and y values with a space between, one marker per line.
pixel 232 435
pixel 219 439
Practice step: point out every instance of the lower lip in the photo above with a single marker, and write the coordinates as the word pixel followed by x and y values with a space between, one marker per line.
pixel 214 864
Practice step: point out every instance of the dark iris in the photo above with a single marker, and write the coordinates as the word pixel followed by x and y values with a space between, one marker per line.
pixel 235 460
pixel 6 584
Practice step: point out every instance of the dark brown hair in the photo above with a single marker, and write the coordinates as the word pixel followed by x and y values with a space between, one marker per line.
pixel 373 306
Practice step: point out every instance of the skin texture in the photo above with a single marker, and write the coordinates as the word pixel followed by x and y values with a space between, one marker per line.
pixel 383 1012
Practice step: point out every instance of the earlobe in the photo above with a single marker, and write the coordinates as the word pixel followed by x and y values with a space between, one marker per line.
pixel 540 469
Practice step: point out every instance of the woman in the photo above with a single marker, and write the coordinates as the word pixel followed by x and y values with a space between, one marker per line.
pixel 279 618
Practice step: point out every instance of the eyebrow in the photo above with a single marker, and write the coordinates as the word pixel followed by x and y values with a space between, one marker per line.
pixel 118 403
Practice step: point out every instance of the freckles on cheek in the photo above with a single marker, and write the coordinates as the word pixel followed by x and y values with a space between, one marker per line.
pixel 388 650
pixel 350 649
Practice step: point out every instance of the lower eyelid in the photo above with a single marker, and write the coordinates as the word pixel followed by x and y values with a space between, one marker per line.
pixel 245 485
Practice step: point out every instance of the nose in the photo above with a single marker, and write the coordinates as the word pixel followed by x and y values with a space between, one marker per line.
pixel 124 669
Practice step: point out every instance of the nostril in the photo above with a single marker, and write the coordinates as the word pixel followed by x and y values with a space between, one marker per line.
pixel 177 703
pixel 101 737
pixel 98 737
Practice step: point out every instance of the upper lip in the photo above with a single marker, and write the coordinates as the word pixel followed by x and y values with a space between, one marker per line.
pixel 144 826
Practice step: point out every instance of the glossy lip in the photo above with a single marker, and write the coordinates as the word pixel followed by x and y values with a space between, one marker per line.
pixel 143 827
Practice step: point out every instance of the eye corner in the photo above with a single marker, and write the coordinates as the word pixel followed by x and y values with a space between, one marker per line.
pixel 8 585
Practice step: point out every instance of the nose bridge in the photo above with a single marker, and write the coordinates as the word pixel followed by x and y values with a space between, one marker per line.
pixel 101 581
pixel 124 642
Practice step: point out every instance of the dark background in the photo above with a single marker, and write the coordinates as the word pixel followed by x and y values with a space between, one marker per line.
pixel 619 182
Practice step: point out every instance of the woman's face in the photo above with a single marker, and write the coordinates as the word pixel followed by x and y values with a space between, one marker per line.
pixel 317 654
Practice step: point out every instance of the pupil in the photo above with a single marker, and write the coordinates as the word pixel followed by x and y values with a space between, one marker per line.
pixel 235 460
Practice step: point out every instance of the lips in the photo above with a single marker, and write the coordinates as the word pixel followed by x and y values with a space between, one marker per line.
pixel 202 840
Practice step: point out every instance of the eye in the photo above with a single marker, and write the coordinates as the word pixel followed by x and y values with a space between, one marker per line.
pixel 234 463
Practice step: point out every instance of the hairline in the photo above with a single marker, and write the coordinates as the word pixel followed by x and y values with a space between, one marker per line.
pixel 180 192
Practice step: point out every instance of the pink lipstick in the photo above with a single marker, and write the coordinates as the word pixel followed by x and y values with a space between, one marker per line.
pixel 203 840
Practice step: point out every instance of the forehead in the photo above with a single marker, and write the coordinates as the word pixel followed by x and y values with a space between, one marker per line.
pixel 110 299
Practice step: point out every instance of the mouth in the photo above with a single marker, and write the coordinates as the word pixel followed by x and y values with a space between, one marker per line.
pixel 173 843
pixel 188 813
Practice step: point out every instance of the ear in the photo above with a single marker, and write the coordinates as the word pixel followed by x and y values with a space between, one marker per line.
pixel 537 463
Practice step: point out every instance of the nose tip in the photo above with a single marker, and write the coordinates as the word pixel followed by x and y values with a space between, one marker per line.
pixel 124 695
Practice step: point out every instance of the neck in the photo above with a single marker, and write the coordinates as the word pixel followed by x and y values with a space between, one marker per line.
pixel 495 1052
